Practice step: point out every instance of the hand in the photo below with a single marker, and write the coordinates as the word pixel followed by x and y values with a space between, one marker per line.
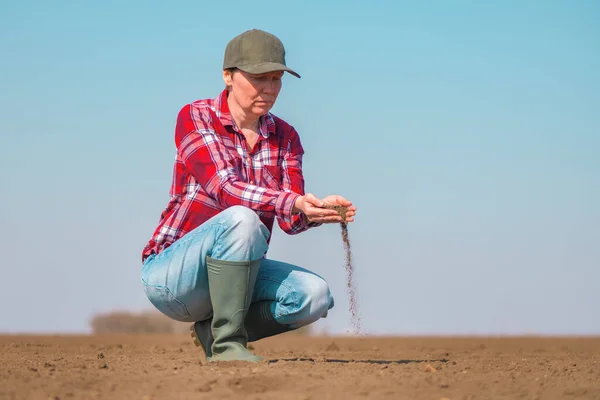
pixel 311 206
pixel 340 201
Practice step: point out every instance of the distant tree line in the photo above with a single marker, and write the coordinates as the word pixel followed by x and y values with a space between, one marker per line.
pixel 149 322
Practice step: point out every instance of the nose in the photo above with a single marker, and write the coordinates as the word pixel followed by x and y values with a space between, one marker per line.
pixel 270 86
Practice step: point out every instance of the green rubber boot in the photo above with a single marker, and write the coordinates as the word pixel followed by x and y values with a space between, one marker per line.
pixel 202 335
pixel 260 324
pixel 231 285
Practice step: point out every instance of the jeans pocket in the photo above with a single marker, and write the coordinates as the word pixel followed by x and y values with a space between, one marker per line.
pixel 164 301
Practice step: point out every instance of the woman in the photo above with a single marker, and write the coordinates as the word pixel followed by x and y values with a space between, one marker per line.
pixel 238 168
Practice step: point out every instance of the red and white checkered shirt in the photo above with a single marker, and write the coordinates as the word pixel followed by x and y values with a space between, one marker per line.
pixel 214 170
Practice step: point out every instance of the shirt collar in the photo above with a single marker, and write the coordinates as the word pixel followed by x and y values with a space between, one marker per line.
pixel 266 123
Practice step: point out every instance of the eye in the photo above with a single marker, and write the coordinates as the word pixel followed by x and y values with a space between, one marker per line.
pixel 259 78
pixel 266 77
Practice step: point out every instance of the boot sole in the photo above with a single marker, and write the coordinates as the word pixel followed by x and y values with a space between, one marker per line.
pixel 197 341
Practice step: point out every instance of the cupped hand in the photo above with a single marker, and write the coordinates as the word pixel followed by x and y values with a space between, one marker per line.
pixel 312 207
pixel 335 199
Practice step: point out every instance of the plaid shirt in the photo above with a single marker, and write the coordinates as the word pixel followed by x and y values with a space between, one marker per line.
pixel 214 170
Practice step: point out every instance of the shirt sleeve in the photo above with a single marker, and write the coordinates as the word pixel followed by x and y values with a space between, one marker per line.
pixel 293 181
pixel 216 170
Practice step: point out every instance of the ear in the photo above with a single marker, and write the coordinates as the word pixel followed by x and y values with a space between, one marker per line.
pixel 227 78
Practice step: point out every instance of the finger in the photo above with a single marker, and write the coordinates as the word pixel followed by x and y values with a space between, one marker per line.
pixel 312 199
pixel 343 202
pixel 338 200
pixel 329 220
pixel 321 212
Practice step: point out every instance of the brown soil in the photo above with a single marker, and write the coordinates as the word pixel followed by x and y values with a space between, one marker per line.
pixel 340 209
pixel 144 367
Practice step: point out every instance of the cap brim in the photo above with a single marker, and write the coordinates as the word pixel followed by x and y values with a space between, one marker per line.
pixel 267 67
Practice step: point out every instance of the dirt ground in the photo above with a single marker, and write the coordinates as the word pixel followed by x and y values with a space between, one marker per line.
pixel 146 367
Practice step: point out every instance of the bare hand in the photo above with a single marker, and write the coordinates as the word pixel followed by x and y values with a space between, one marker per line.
pixel 312 207
pixel 340 201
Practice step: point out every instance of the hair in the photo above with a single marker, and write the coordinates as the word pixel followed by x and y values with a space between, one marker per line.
pixel 231 70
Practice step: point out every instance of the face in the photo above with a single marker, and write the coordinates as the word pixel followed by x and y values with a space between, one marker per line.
pixel 254 93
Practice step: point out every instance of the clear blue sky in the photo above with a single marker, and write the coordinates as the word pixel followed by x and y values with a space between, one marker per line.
pixel 467 133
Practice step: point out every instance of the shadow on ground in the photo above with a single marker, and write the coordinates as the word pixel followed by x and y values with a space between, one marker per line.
pixel 340 361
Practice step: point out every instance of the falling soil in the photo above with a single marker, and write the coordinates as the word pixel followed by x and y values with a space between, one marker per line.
pixel 356 320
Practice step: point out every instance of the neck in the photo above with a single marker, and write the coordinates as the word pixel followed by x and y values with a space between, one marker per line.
pixel 242 119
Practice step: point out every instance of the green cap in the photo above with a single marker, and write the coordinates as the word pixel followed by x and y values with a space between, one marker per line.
pixel 256 52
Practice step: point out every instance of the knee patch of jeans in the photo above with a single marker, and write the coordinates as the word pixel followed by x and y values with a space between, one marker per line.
pixel 305 303
pixel 164 301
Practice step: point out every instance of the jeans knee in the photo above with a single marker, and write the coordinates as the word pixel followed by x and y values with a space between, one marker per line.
pixel 319 297
pixel 313 301
pixel 246 222
pixel 245 234
pixel 241 214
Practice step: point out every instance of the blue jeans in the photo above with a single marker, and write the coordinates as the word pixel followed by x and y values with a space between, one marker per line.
pixel 176 280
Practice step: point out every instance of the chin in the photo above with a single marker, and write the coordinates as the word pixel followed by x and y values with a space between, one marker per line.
pixel 260 111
